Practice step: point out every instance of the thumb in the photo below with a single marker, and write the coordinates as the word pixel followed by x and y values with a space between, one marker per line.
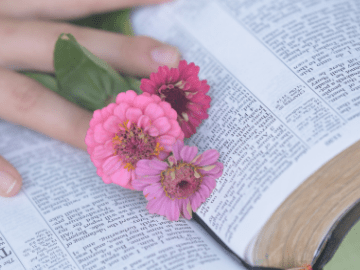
pixel 10 179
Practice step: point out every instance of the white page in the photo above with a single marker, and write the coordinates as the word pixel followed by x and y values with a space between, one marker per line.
pixel 66 218
pixel 273 119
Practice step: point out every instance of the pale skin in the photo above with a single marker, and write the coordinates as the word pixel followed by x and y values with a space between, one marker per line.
pixel 28 32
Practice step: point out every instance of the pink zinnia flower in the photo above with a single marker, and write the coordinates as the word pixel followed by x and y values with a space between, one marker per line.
pixel 182 88
pixel 135 127
pixel 180 185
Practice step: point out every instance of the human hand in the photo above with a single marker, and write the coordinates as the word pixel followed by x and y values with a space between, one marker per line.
pixel 27 42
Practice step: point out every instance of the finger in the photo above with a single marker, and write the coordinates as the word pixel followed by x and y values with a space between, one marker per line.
pixel 24 101
pixel 30 45
pixel 66 9
pixel 10 179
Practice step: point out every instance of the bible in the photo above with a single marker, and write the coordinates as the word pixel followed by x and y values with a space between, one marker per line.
pixel 284 117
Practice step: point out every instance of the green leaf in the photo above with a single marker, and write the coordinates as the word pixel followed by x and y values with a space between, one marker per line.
pixel 121 21
pixel 82 77
pixel 46 80
pixel 114 21
pixel 134 84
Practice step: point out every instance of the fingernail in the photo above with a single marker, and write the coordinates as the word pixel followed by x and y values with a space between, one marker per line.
pixel 165 55
pixel 7 184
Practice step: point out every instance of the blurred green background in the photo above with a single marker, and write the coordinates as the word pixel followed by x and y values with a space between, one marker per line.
pixel 117 21
pixel 347 257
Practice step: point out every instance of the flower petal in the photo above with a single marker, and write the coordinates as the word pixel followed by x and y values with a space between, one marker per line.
pixel 154 111
pixel 129 97
pixel 204 191
pixel 181 136
pixel 97 162
pixel 163 155
pixel 163 207
pixel 99 171
pixel 166 141
pixel 175 129
pixel 192 83
pixel 188 153
pixel 169 112
pixel 163 75
pixel 96 119
pixel 150 179
pixel 194 120
pixel 197 110
pixel 143 122
pixel 89 138
pixel 122 177
pixel 195 201
pixel 100 152
pixel 187 128
pixel 187 70
pixel 110 108
pixel 152 131
pixel 153 191
pixel 139 183
pixel 186 210
pixel 201 98
pixel 162 124
pixel 148 86
pixel 106 179
pixel 209 157
pixel 205 102
pixel 142 101
pixel 120 97
pixel 174 75
pixel 154 205
pixel 145 168
pixel 129 186
pixel 112 124
pixel 156 98
pixel 105 113
pixel 133 114
pixel 177 147
pixel 215 172
pixel 111 165
pixel 209 181
pixel 120 111
pixel 173 210
pixel 157 164
pixel 204 87
pixel 100 134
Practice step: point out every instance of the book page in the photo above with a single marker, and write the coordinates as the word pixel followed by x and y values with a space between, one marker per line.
pixel 66 218
pixel 284 79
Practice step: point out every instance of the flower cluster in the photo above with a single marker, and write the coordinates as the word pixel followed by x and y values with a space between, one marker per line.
pixel 137 142
pixel 135 127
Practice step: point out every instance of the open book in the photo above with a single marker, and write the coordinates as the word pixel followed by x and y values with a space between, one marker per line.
pixel 284 116
pixel 286 100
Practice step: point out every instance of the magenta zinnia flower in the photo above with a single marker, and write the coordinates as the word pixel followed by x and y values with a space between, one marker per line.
pixel 180 185
pixel 182 88
pixel 135 127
